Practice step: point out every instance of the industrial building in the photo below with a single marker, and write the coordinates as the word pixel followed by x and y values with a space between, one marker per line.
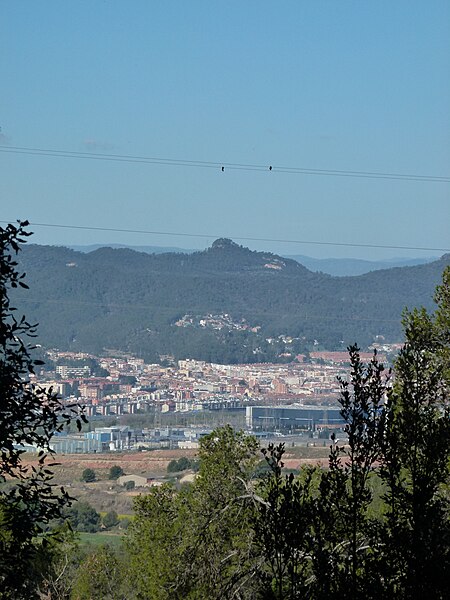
pixel 274 418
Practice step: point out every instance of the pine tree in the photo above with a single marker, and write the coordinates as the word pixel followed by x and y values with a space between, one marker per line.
pixel 417 458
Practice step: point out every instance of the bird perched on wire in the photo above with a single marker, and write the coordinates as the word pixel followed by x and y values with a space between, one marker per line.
pixel 223 169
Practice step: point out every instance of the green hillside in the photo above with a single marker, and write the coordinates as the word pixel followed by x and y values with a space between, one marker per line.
pixel 132 301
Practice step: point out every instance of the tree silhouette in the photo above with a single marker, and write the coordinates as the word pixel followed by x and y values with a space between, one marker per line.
pixel 30 416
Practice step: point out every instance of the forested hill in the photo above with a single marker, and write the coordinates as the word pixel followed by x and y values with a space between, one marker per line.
pixel 221 304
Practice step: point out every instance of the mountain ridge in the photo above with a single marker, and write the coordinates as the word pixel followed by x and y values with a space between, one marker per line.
pixel 132 301
pixel 332 266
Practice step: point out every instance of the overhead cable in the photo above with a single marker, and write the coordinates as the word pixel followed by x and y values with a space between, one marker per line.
pixel 233 237
pixel 221 166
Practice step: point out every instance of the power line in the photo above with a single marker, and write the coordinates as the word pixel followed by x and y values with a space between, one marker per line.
pixel 221 166
pixel 240 238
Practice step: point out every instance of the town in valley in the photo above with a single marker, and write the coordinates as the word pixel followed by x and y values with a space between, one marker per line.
pixel 132 405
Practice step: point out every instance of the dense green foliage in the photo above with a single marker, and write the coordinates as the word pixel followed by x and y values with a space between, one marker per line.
pixel 83 517
pixel 196 538
pixel 29 416
pixel 118 298
pixel 416 455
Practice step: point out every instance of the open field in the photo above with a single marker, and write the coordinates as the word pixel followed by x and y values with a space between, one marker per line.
pixel 151 463
pixel 298 456
pixel 106 495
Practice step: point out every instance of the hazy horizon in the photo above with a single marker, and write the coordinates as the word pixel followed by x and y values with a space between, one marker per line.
pixel 118 115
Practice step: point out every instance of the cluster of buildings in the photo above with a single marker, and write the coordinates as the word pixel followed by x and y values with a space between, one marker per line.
pixel 301 395
pixel 221 321
pixel 120 438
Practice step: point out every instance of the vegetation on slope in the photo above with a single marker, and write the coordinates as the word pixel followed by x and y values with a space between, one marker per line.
pixel 130 301
pixel 238 531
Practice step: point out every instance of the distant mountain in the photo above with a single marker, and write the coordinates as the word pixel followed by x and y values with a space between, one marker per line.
pixel 333 266
pixel 353 266
pixel 223 304
pixel 147 249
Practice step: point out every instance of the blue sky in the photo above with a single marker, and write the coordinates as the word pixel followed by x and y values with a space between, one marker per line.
pixel 349 85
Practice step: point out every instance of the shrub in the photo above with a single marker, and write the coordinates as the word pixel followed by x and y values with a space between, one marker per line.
pixel 175 466
pixel 88 475
pixel 110 519
pixel 83 517
pixel 115 472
